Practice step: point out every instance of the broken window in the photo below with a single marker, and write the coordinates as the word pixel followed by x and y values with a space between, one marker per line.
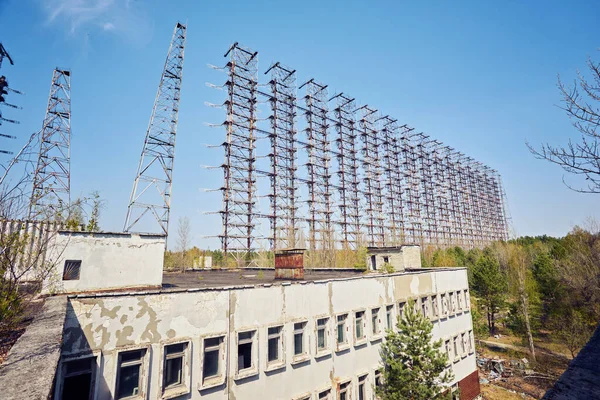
pixel 463 343
pixel 358 323
pixel 401 307
pixel 425 306
pixel 173 365
pixel 378 378
pixel 72 270
pixel 362 387
pixel 434 306
pixel 78 378
pixel 341 329
pixel 386 259
pixel 325 395
pixel 245 343
pixel 129 373
pixel 444 305
pixel 213 347
pixel 344 391
pixel 448 350
pixel 375 321
pixel 459 300
pixel 322 334
pixel 452 296
pixel 274 353
pixel 467 300
pixel 471 345
pixel 455 347
pixel 299 348
pixel 389 311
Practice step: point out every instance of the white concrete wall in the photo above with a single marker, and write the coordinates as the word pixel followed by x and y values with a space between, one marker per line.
pixel 106 325
pixel 108 261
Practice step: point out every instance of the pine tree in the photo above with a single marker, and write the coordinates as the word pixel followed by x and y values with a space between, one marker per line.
pixel 414 367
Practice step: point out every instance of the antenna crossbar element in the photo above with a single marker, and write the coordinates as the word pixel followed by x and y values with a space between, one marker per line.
pixel 150 201
pixel 51 192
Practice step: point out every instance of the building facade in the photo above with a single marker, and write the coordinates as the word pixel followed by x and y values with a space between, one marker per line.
pixel 290 340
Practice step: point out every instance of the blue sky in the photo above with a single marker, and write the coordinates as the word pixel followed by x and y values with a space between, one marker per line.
pixel 480 77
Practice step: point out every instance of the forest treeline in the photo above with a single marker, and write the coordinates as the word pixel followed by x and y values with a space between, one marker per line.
pixel 533 285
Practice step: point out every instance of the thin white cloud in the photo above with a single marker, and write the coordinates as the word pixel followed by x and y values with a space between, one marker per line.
pixel 120 17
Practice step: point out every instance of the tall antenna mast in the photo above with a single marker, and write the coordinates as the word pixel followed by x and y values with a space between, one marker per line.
pixel 155 170
pixel 51 191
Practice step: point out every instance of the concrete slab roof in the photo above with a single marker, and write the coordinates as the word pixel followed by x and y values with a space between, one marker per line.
pixel 218 278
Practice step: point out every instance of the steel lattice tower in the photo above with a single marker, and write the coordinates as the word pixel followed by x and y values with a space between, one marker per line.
pixel 349 201
pixel 239 190
pixel 369 136
pixel 284 224
pixel 151 192
pixel 319 159
pixel 51 192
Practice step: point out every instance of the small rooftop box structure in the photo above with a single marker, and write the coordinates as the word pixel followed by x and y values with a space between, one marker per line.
pixel 96 261
pixel 400 258
pixel 289 264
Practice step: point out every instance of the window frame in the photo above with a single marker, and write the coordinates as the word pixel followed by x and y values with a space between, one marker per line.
pixel 426 312
pixel 464 345
pixel 61 374
pixel 363 340
pixel 402 308
pixel 327 349
pixel 377 374
pixel 445 309
pixel 185 386
pixel 279 362
pixel 78 264
pixel 456 348
pixel 378 335
pixel 471 342
pixel 323 390
pixel 459 301
pixel 347 389
pixel 389 317
pixel 218 379
pixel 449 350
pixel 435 308
pixel 305 355
pixel 341 346
pixel 364 377
pixel 253 369
pixel 467 300
pixel 144 367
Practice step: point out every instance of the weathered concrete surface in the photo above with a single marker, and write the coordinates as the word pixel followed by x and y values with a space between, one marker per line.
pixel 28 372
pixel 108 261
pixel 581 379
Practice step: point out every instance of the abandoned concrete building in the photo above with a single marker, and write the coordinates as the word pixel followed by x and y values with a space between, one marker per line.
pixel 117 328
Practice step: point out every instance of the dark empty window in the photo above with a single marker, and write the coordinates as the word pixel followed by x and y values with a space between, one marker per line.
pixel 274 337
pixel 245 340
pixel 173 367
pixel 345 391
pixel 212 350
pixel 72 269
pixel 362 388
pixel 129 373
pixel 386 259
pixel 78 378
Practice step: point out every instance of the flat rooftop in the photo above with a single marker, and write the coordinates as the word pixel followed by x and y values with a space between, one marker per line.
pixel 217 278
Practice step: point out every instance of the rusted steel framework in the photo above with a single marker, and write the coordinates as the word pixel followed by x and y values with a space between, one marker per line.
pixel 239 214
pixel 150 202
pixel 394 180
pixel 374 220
pixel 347 173
pixel 51 191
pixel 317 165
pixel 391 185
pixel 283 221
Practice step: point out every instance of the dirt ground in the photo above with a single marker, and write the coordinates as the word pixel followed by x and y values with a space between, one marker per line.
pixel 493 392
pixel 549 366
